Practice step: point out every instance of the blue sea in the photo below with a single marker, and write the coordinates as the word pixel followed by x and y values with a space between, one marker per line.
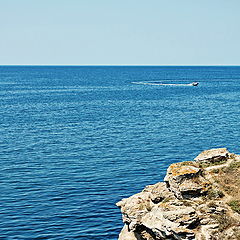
pixel 75 140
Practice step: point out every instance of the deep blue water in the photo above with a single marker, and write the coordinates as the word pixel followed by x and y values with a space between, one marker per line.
pixel 75 140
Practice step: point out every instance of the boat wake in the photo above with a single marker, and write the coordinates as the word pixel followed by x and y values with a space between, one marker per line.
pixel 167 84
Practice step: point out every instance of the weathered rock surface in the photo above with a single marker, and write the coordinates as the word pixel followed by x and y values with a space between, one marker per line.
pixel 188 205
pixel 213 155
pixel 186 181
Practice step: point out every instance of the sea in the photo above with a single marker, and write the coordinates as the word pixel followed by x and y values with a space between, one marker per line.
pixel 74 140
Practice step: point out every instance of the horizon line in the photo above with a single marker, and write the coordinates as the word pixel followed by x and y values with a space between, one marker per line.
pixel 124 65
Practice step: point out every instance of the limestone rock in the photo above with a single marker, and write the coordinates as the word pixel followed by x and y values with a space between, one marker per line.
pixel 138 205
pixel 186 181
pixel 188 205
pixel 127 235
pixel 159 192
pixel 213 155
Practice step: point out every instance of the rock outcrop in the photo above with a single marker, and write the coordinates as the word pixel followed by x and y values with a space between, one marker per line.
pixel 213 156
pixel 198 200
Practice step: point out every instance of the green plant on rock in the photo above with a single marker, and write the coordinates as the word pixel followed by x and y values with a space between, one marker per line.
pixel 214 193
pixel 233 167
pixel 210 164
pixel 235 205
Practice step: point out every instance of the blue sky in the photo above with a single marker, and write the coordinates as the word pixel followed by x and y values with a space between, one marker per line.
pixel 89 32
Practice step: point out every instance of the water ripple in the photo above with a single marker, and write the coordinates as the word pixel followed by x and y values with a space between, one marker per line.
pixel 74 141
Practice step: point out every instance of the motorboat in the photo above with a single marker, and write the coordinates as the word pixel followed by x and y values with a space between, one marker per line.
pixel 194 83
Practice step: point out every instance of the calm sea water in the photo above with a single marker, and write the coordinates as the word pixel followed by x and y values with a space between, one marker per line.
pixel 75 140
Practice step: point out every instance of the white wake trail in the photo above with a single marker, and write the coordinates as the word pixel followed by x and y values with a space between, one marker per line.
pixel 164 84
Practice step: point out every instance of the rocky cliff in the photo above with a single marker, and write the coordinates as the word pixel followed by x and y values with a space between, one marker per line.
pixel 198 199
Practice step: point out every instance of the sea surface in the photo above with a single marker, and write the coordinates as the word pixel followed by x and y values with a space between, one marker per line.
pixel 75 140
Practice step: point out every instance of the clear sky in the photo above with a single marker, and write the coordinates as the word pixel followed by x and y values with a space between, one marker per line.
pixel 123 32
